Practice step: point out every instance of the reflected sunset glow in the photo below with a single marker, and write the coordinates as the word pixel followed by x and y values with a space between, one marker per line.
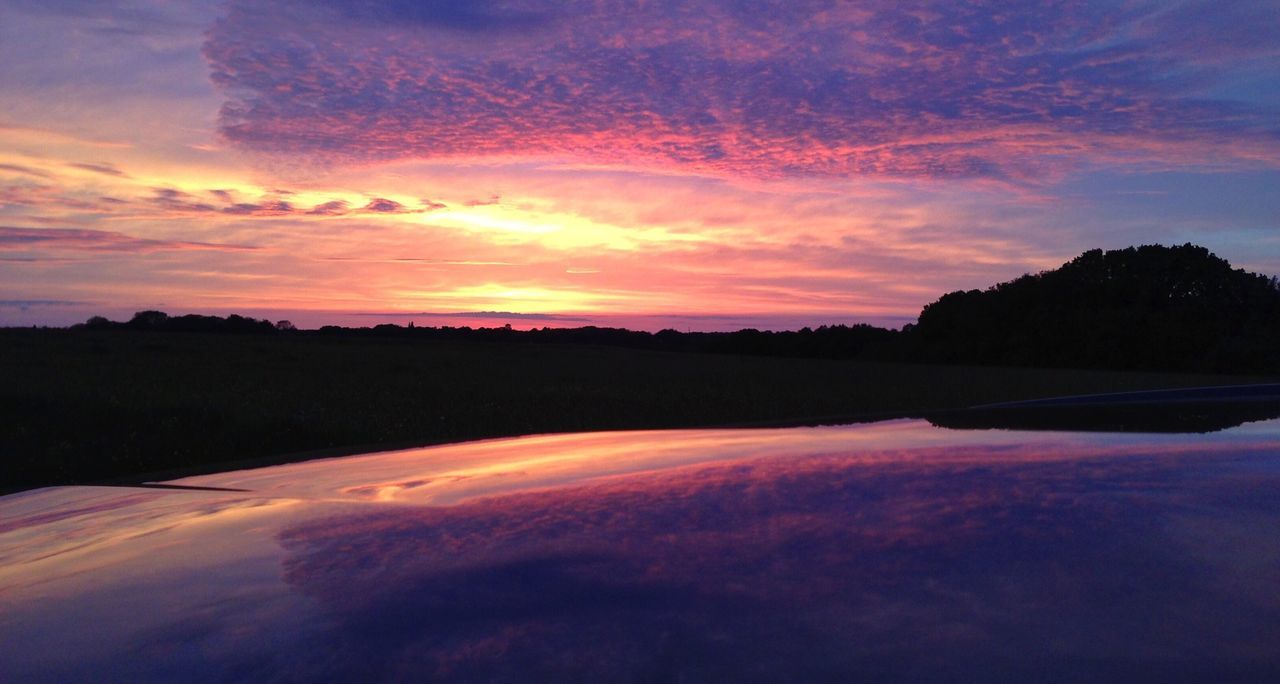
pixel 894 547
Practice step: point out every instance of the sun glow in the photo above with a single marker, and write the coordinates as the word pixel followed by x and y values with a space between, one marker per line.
pixel 844 182
pixel 554 230
pixel 513 298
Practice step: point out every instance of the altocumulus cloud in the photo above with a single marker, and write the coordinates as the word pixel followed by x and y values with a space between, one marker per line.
pixel 381 205
pixel 1009 90
pixel 182 202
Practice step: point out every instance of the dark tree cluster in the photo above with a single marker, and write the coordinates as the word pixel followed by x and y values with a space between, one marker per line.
pixel 160 321
pixel 1144 308
pixel 828 341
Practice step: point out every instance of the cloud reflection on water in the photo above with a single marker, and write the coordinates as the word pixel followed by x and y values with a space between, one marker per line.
pixel 891 551
pixel 786 567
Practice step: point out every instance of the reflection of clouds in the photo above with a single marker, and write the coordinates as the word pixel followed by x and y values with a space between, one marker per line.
pixel 50 536
pixel 805 554
pixel 783 567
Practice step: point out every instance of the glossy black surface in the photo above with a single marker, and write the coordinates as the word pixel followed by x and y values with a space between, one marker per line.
pixel 895 551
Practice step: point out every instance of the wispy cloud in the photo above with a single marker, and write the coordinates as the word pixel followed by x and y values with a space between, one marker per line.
pixel 27 304
pixel 14 239
pixel 100 167
pixel 25 170
pixel 57 136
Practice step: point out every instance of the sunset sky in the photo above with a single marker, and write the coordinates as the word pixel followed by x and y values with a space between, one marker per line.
pixel 710 165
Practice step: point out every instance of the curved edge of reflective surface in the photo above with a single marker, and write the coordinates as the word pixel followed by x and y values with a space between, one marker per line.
pixel 888 551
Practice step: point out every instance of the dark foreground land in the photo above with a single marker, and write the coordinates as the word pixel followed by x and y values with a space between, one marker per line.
pixel 87 406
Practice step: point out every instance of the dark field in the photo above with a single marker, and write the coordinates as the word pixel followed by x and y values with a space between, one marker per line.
pixel 84 406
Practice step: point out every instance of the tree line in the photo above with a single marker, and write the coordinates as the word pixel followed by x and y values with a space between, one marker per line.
pixel 1152 307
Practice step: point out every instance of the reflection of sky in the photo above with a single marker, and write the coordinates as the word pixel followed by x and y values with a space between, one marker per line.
pixel 892 551
pixel 654 164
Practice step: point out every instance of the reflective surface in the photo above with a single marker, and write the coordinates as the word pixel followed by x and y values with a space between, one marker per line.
pixel 890 551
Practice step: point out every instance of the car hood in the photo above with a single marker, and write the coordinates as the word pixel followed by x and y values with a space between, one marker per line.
pixel 895 550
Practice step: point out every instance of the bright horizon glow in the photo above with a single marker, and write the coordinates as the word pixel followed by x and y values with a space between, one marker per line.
pixel 557 164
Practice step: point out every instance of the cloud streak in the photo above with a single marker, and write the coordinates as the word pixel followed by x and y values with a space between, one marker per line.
pixel 100 167
pixel 18 239
pixel 24 170
pixel 25 304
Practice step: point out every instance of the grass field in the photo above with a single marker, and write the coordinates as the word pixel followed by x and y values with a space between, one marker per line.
pixel 83 406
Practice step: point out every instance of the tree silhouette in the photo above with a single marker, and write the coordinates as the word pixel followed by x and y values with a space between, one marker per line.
pixel 1149 307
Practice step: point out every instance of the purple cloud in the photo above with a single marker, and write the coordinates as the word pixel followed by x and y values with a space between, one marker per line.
pixel 179 201
pixel 182 202
pixel 170 199
pixel 27 304
pixel 17 168
pixel 14 239
pixel 380 205
pixel 331 208
pixel 265 208
pixel 885 88
pixel 100 167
